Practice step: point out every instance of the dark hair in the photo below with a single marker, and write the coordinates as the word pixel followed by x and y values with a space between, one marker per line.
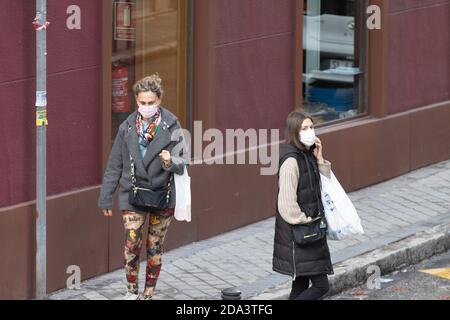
pixel 151 83
pixel 293 126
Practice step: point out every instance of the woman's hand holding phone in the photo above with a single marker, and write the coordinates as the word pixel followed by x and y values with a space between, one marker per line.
pixel 318 151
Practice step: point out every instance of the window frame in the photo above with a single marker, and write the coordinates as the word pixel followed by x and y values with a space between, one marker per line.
pixel 367 58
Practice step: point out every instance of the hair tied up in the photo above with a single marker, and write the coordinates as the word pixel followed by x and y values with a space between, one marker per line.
pixel 150 83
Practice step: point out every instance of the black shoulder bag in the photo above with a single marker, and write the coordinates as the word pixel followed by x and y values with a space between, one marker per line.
pixel 313 231
pixel 145 198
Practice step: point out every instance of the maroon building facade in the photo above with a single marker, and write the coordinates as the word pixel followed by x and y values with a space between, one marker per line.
pixel 239 64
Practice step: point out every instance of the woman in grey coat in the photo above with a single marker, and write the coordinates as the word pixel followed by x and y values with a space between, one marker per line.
pixel 149 135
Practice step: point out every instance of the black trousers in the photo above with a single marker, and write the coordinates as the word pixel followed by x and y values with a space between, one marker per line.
pixel 302 291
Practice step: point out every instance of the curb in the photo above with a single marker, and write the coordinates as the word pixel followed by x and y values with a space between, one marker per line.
pixel 353 272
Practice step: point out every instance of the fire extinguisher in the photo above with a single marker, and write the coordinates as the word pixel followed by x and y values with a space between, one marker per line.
pixel 120 98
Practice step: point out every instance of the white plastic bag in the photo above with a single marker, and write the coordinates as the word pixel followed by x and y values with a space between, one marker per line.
pixel 342 219
pixel 183 196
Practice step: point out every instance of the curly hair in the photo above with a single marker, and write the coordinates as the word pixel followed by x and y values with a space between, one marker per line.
pixel 150 83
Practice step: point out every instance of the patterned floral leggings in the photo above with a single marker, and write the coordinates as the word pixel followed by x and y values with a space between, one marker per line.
pixel 134 229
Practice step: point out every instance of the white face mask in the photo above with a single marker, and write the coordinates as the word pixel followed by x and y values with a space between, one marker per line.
pixel 148 111
pixel 308 137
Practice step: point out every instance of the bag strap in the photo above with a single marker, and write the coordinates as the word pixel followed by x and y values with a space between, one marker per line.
pixel 133 175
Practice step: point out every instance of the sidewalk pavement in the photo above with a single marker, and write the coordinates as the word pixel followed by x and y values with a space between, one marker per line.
pixel 390 211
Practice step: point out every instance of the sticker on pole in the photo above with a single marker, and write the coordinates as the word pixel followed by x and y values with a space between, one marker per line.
pixel 41 99
pixel 40 26
pixel 41 118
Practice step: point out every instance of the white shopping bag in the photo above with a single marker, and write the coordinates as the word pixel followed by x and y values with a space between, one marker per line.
pixel 183 196
pixel 342 219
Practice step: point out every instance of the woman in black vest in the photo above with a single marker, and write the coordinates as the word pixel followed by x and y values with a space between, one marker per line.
pixel 299 202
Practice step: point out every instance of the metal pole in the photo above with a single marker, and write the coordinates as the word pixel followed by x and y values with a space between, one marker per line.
pixel 41 135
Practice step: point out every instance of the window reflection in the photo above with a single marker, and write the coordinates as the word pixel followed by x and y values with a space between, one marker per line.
pixel 146 40
pixel 332 74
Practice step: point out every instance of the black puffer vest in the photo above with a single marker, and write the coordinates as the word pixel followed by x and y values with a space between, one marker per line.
pixel 288 258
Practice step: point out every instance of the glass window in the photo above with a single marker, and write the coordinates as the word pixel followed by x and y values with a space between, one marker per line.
pixel 333 59
pixel 149 36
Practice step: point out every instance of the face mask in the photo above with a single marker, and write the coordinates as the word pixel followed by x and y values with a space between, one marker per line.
pixel 308 137
pixel 148 111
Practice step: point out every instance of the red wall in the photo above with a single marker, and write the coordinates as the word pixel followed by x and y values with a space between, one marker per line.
pixel 254 63
pixel 419 51
pixel 73 98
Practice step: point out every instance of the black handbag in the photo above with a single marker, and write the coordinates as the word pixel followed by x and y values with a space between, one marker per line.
pixel 313 231
pixel 144 198
pixel 310 232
